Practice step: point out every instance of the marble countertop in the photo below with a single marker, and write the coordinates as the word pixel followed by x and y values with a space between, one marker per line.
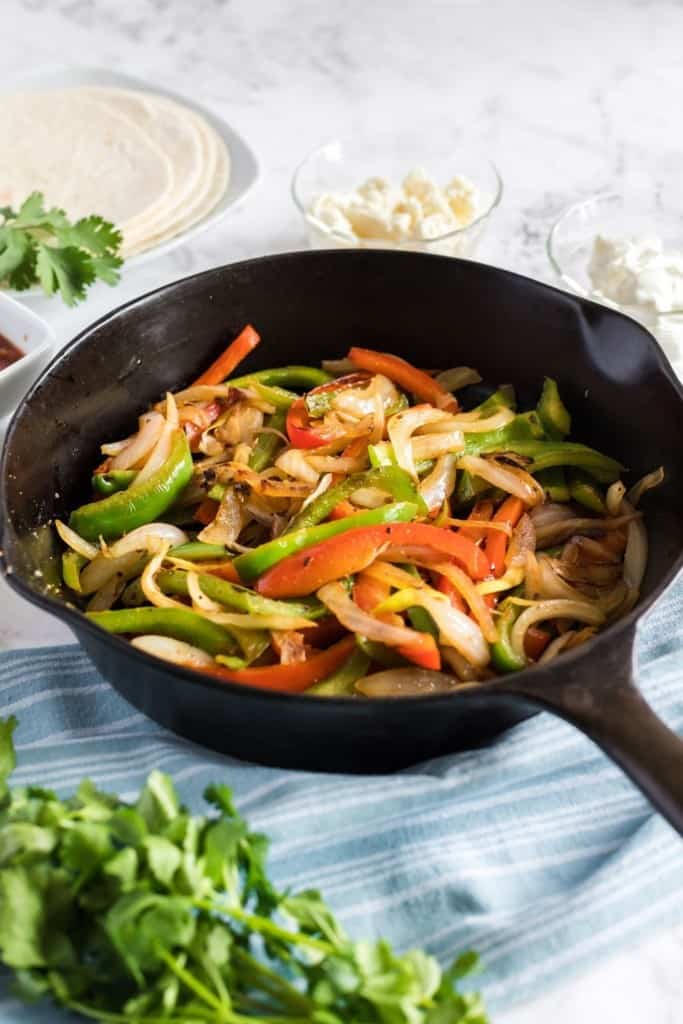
pixel 567 99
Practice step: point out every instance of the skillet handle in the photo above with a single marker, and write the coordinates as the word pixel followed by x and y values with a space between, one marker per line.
pixel 609 708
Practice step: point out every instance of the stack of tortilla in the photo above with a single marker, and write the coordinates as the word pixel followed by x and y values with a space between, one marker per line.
pixel 148 164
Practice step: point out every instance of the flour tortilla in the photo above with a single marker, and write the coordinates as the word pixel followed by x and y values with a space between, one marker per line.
pixel 82 154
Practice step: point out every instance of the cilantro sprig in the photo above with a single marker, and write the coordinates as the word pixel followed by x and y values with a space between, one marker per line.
pixel 145 914
pixel 39 246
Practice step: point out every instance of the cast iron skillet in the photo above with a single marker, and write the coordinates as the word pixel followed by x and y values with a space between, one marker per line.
pixel 308 306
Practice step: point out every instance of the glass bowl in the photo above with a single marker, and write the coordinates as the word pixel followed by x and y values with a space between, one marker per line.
pixel 619 216
pixel 341 166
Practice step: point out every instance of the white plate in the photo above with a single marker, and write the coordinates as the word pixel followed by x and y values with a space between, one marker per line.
pixel 244 167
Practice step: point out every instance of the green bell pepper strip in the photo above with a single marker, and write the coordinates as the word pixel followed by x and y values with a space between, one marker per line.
pixel 546 454
pixel 584 490
pixel 552 412
pixel 300 377
pixel 341 683
pixel 140 503
pixel 502 654
pixel 392 479
pixel 72 563
pixel 198 551
pixel 240 598
pixel 382 454
pixel 178 623
pixel 267 445
pixel 554 483
pixel 525 427
pixel 254 563
pixel 133 595
pixel 420 619
pixel 503 398
pixel 113 481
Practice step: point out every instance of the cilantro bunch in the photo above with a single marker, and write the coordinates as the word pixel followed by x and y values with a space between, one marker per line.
pixel 145 914
pixel 39 246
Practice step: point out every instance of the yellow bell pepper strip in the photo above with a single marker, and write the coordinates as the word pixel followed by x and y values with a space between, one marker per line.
pixel 407 376
pixel 552 412
pixel 240 598
pixel 583 490
pixel 235 353
pixel 72 563
pixel 341 683
pixel 503 655
pixel 392 479
pixel 140 503
pixel 338 556
pixel 113 481
pixel 268 445
pixel 254 563
pixel 294 678
pixel 179 623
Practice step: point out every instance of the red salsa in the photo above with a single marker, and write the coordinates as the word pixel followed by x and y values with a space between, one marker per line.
pixel 9 353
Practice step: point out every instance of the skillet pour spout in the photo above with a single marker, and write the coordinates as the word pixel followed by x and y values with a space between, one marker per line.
pixel 433 310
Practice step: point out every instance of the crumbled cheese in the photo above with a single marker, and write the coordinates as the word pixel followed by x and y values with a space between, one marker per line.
pixel 418 209
pixel 637 273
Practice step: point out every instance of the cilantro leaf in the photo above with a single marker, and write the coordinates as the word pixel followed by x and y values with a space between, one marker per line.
pixel 21 918
pixel 41 245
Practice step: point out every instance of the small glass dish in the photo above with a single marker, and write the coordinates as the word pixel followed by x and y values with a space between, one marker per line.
pixel 620 216
pixel 341 166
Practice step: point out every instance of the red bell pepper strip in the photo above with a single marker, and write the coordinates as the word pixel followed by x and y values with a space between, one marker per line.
pixel 368 593
pixel 407 376
pixel 293 678
pixel 444 586
pixel 342 510
pixel 299 430
pixel 483 510
pixel 511 512
pixel 237 350
pixel 535 642
pixel 348 553
pixel 223 570
pixel 205 512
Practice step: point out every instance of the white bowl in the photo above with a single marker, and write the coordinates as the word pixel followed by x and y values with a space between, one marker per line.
pixel 244 167
pixel 34 337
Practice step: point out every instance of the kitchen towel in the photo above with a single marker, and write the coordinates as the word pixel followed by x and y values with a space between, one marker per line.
pixel 535 850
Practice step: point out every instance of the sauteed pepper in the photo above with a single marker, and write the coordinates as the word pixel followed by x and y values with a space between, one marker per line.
pixel 503 654
pixel 392 479
pixel 113 481
pixel 178 623
pixel 140 503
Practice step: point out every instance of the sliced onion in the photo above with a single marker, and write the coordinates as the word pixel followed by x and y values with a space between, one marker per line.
pixel 103 599
pixel 457 377
pixel 334 597
pixel 599 574
pixel 227 523
pixel 74 541
pixel 480 426
pixel 455 628
pixel 393 576
pixel 438 486
pixel 146 538
pixel 579 611
pixel 150 587
pixel 550 512
pixel 561 531
pixel 511 578
pixel 141 444
pixel 114 447
pixel 614 496
pixel 338 367
pixel 342 464
pixel 403 425
pixel 241 425
pixel 508 478
pixel 158 456
pixel 103 568
pixel 294 463
pixel 465 672
pixel 522 543
pixel 471 596
pixel 176 651
pixel 556 647
pixel 377 394
pixel 264 484
pixel 635 554
pixel 431 446
pixel 645 483
pixel 171 411
pixel 290 646
pixel 201 602
pixel 369 497
pixel 405 682
pixel 200 393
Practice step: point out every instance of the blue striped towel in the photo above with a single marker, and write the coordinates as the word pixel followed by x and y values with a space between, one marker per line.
pixel 536 850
